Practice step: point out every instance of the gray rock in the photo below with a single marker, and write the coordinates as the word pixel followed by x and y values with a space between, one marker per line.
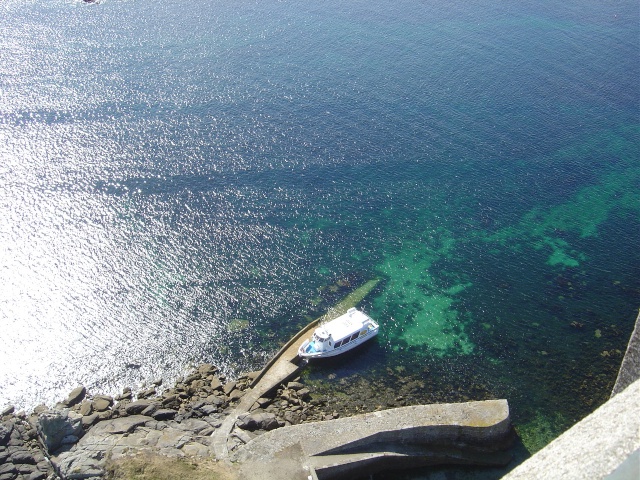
pixel 119 425
pixel 150 392
pixel 26 469
pixel 150 410
pixel 75 396
pixel 207 369
pixel 38 456
pixel 134 408
pixel 214 422
pixel 214 400
pixel 102 402
pixel 22 456
pixel 5 432
pixel 8 410
pixel 8 468
pixel 206 433
pixel 70 440
pixel 126 395
pixel 106 415
pixel 304 393
pixel 209 409
pixel 295 386
pixel 55 426
pixel 241 435
pixel 236 395
pixel 192 378
pixel 216 384
pixel 258 421
pixel 40 409
pixel 86 407
pixel 37 475
pixel 229 387
pixel 155 425
pixel 90 420
pixel 164 414
pixel 192 425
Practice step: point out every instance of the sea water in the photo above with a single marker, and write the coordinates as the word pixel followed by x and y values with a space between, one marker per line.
pixel 185 182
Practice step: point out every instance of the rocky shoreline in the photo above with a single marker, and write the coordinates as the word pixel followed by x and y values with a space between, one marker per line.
pixel 77 437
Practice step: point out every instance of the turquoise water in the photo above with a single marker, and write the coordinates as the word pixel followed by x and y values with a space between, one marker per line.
pixel 193 182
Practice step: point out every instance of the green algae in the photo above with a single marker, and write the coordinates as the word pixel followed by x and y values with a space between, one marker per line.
pixel 541 430
pixel 426 313
pixel 582 214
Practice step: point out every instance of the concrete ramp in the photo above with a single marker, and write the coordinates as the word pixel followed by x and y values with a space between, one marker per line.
pixel 462 433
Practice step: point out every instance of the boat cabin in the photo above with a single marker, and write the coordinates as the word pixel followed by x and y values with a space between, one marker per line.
pixel 340 334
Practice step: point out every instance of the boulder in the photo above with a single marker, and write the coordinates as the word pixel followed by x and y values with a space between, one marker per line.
pixel 126 395
pixel 208 409
pixel 171 401
pixel 304 393
pixel 25 469
pixel 90 420
pixel 214 400
pixel 236 395
pixel 37 475
pixel 75 396
pixel 22 455
pixel 295 386
pixel 102 402
pixel 58 427
pixel 106 415
pixel 134 408
pixel 118 425
pixel 207 369
pixel 8 468
pixel 216 384
pixel 228 387
pixel 258 421
pixel 5 432
pixel 8 410
pixel 150 410
pixel 150 392
pixel 192 378
pixel 164 414
pixel 86 408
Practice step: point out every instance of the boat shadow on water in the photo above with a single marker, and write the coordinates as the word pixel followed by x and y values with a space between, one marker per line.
pixel 355 361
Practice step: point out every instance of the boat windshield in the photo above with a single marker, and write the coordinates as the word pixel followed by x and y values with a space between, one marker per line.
pixel 320 336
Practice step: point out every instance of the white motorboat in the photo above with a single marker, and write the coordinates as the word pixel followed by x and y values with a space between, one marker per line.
pixel 339 335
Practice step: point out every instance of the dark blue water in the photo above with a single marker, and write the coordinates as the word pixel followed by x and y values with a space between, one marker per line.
pixel 193 182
